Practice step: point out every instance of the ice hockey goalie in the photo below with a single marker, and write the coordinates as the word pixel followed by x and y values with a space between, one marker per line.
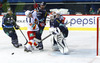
pixel 60 32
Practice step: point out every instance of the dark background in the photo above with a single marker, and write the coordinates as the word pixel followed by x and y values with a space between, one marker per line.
pixel 73 5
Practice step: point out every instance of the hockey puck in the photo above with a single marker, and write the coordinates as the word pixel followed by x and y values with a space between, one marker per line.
pixel 12 53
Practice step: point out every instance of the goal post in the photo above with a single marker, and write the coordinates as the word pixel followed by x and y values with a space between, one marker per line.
pixel 98 19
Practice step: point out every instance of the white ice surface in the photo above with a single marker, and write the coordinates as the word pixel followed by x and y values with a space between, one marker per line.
pixel 82 45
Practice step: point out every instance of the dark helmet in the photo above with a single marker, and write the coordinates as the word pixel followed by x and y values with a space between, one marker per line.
pixel 43 3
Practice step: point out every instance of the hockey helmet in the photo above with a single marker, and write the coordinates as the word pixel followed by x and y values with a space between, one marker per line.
pixel 27 12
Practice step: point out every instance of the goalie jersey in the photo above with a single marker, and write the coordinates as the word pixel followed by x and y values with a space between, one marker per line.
pixel 58 23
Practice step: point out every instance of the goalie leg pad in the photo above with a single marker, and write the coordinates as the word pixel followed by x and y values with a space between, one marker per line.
pixel 62 46
pixel 61 43
pixel 55 46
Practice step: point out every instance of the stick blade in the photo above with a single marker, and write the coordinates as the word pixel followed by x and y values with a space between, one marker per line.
pixel 37 40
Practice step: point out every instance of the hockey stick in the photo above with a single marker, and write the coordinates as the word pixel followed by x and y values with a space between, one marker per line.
pixel 24 36
pixel 36 5
pixel 34 1
pixel 42 39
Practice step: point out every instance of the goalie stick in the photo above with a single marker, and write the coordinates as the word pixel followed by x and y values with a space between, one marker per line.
pixel 42 39
pixel 47 36
pixel 63 49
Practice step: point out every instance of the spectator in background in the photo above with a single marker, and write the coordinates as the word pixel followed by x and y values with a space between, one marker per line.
pixel 98 11
pixel 91 11
pixel 0 7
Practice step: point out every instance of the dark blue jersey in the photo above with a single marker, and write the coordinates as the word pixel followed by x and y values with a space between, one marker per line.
pixel 42 14
pixel 8 21
pixel 57 22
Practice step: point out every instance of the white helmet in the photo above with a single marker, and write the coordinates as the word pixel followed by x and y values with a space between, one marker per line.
pixel 27 12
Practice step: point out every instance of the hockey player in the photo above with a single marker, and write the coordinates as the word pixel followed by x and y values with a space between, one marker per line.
pixel 32 24
pixel 8 25
pixel 60 32
pixel 42 14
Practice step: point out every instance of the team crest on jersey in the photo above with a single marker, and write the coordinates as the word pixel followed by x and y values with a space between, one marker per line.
pixel 31 35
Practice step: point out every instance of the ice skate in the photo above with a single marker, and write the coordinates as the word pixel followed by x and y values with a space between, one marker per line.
pixel 17 45
pixel 28 48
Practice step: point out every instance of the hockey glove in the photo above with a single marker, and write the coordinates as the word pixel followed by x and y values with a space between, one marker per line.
pixel 35 5
pixel 41 20
pixel 42 24
pixel 61 24
pixel 16 27
pixel 53 31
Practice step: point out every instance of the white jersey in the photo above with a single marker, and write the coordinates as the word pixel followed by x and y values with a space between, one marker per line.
pixel 31 23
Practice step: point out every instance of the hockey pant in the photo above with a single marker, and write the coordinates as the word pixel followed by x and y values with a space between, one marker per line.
pixel 31 36
pixel 11 33
pixel 57 38
pixel 39 34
